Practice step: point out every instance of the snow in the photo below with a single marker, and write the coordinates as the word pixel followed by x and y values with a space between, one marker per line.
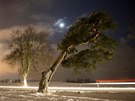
pixel 59 93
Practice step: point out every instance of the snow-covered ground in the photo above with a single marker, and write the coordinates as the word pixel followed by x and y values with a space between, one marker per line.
pixel 65 93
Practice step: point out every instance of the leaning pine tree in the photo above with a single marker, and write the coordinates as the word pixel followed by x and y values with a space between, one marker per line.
pixel 90 32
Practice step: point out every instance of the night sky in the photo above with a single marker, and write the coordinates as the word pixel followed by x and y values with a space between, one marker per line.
pixel 45 14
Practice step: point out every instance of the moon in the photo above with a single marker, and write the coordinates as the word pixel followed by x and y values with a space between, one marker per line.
pixel 60 23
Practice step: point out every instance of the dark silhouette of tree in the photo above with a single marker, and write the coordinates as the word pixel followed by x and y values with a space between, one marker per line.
pixel 29 48
pixel 90 32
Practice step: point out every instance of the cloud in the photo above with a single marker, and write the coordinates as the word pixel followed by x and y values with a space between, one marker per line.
pixel 42 19
pixel 22 12
pixel 6 33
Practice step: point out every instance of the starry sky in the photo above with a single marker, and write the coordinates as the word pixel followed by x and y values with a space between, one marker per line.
pixel 43 14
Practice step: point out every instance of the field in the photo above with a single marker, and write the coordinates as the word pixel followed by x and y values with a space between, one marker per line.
pixel 67 92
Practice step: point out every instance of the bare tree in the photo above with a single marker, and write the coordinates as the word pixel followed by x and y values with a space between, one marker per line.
pixel 29 48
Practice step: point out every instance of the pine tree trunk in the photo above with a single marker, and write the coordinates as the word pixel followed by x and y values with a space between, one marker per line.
pixel 47 75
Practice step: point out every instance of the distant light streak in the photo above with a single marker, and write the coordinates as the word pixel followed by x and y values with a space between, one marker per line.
pixel 91 88
pixel 75 88
pixel 118 83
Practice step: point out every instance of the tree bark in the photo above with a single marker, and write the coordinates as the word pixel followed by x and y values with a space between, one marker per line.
pixel 47 75
pixel 25 75
pixel 25 79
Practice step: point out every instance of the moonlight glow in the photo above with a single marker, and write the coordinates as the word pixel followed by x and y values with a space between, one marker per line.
pixel 61 25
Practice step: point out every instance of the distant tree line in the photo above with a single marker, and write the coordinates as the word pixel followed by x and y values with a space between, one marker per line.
pixel 81 81
pixel 10 81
